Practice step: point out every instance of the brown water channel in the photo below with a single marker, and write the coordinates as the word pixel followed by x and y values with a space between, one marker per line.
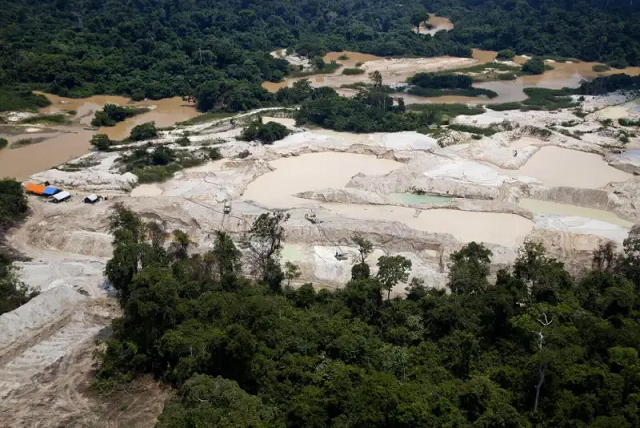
pixel 58 144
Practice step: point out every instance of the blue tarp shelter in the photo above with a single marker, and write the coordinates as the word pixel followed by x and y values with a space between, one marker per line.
pixel 50 191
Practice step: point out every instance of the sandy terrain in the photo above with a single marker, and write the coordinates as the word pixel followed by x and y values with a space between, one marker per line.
pixel 420 196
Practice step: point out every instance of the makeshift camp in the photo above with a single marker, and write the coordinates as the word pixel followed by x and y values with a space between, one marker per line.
pixel 91 199
pixel 50 191
pixel 59 197
pixel 36 189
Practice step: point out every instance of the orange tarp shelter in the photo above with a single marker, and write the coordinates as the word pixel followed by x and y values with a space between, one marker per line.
pixel 35 188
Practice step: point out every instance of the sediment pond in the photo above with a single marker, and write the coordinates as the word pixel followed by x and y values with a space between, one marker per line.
pixel 61 143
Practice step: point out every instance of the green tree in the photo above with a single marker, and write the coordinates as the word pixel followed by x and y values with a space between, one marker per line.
pixel 205 401
pixel 265 240
pixel 392 270
pixel 469 269
pixel 291 272
pixel 534 66
pixel 376 78
pixel 144 131
pixel 101 142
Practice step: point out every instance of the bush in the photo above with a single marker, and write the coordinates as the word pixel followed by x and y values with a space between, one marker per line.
pixel 144 132
pixel 534 66
pixel 3 143
pixel 600 68
pixel 112 114
pixel 352 71
pixel 265 133
pixel 506 54
pixel 138 95
pixel 183 141
pixel 156 173
pixel 162 155
pixel 473 129
pixel 214 154
pixel 101 142
pixel 343 57
pixel 12 99
pixel 629 122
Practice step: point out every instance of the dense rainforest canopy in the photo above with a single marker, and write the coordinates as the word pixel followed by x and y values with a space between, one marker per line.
pixel 534 347
pixel 161 48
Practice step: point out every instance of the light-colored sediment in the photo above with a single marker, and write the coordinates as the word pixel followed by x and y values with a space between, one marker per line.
pixel 311 172
pixel 555 166
pixel 371 184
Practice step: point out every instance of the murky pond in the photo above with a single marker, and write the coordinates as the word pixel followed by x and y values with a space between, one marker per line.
pixel 537 206
pixel 556 166
pixel 412 199
pixel 57 144
pixel 55 149
pixel 165 112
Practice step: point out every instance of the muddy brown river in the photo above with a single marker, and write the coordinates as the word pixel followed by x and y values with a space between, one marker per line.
pixel 60 144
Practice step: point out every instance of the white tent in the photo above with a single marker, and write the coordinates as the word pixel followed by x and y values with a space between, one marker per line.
pixel 61 196
pixel 91 199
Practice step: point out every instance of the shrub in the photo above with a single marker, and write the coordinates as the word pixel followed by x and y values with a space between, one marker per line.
pixel 3 143
pixel 600 68
pixel 112 114
pixel 266 133
pixel 144 131
pixel 352 71
pixel 629 122
pixel 101 142
pixel 162 155
pixel 214 154
pixel 343 57
pixel 534 66
pixel 183 141
pixel 506 54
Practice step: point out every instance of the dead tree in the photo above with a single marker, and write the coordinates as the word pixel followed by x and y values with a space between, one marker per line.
pixel 539 338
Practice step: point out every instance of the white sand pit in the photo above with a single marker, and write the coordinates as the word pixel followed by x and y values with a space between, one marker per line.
pixel 557 167
pixel 504 229
pixel 312 171
pixel 523 142
pixel 146 190
pixel 288 122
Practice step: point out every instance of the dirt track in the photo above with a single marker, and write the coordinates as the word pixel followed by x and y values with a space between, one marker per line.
pixel 45 374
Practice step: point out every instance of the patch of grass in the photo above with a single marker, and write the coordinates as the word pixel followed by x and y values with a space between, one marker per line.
pixel 26 142
pixel 600 68
pixel 505 106
pixel 474 129
pixel 356 86
pixel 451 110
pixel 328 68
pixel 17 100
pixel 59 118
pixel 466 92
pixel 207 117
pixel 548 99
pixel 352 71
pixel 537 132
pixel 629 122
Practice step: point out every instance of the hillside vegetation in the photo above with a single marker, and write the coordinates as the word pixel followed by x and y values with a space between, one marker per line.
pixel 534 348
pixel 220 49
